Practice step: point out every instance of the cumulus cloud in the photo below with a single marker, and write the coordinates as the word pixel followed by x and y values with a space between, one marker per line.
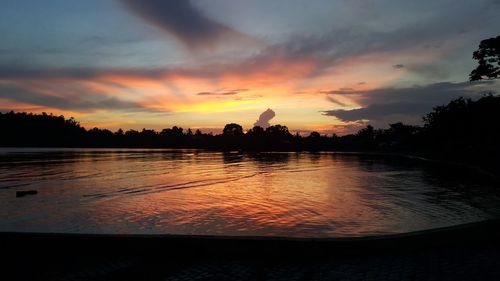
pixel 264 118
pixel 185 22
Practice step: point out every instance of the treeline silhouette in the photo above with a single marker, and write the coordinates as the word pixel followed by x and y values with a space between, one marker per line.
pixel 462 130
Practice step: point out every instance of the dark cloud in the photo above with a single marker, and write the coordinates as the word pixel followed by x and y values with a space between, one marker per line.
pixel 407 103
pixel 18 73
pixel 375 111
pixel 89 73
pixel 250 66
pixel 75 101
pixel 325 51
pixel 264 118
pixel 439 26
pixel 222 92
pixel 440 29
pixel 335 101
pixel 217 94
pixel 183 21
pixel 341 91
pixel 83 73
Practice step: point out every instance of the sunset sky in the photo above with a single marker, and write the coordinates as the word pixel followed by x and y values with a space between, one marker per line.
pixel 330 65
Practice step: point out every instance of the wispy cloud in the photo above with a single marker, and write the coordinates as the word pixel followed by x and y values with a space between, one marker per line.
pixel 222 92
pixel 76 100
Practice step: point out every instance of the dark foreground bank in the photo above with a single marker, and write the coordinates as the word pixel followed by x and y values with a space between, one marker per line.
pixel 467 252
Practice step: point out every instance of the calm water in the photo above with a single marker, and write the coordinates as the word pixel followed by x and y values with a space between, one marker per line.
pixel 197 192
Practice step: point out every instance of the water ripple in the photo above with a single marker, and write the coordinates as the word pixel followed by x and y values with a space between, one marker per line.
pixel 196 192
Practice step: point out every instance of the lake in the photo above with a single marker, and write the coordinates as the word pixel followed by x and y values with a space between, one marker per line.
pixel 137 191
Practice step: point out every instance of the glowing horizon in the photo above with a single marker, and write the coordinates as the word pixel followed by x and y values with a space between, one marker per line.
pixel 202 64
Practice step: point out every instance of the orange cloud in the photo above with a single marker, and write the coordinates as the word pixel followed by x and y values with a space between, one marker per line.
pixel 299 87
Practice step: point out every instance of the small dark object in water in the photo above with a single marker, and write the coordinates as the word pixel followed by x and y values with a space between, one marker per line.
pixel 26 192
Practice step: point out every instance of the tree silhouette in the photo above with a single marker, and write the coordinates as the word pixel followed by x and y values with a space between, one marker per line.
pixel 314 135
pixel 463 130
pixel 488 57
pixel 232 129
pixel 257 131
pixel 279 132
pixel 366 138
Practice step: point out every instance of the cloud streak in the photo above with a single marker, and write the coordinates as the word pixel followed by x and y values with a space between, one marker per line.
pixel 185 22
pixel 222 92
pixel 86 102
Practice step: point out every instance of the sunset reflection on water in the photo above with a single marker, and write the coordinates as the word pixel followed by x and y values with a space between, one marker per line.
pixel 216 193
